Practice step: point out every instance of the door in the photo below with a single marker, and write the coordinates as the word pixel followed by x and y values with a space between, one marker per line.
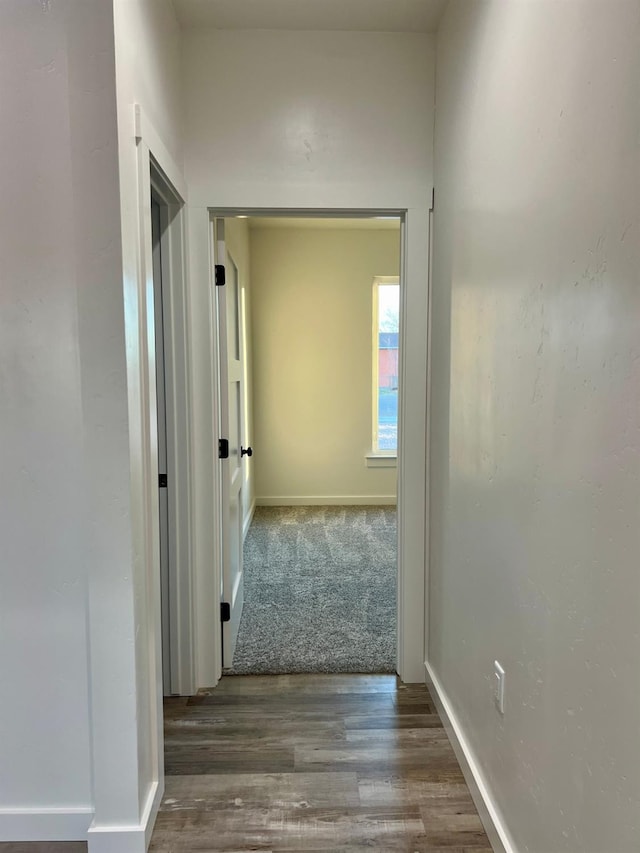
pixel 156 242
pixel 231 430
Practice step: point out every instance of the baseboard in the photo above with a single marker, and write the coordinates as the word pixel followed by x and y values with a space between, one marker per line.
pixel 152 806
pixel 249 518
pixel 328 500
pixel 45 824
pixel 489 813
pixel 132 839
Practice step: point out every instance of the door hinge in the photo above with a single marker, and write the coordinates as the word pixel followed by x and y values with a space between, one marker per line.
pixel 225 611
pixel 223 448
pixel 433 200
pixel 220 276
pixel 162 481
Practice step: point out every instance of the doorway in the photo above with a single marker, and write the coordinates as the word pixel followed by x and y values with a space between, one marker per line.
pixel 325 443
pixel 170 416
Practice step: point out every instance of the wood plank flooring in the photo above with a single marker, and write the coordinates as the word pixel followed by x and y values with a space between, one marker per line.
pixel 312 763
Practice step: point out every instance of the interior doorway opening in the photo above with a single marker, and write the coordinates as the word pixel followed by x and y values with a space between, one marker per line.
pixel 166 321
pixel 307 393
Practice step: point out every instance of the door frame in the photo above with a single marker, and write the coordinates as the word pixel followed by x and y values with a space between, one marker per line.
pixel 158 173
pixel 412 425
pixel 159 216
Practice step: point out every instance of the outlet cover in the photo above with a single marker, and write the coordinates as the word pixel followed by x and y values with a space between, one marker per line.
pixel 498 686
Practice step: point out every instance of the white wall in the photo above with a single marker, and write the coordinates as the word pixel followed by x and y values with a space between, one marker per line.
pixel 314 118
pixel 147 44
pixel 536 462
pixel 312 332
pixel 64 521
pixel 309 120
pixel 81 713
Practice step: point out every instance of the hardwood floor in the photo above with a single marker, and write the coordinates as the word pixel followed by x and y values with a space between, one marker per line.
pixel 312 763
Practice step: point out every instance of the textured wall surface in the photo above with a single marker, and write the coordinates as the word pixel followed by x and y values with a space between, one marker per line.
pixel 308 118
pixel 63 426
pixel 536 464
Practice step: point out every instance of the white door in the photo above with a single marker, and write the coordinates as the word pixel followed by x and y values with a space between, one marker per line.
pixel 231 431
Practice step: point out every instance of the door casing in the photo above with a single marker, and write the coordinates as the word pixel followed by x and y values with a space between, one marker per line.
pixel 180 639
pixel 412 430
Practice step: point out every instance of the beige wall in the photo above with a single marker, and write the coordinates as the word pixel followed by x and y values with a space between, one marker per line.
pixel 236 232
pixel 312 334
pixel 535 418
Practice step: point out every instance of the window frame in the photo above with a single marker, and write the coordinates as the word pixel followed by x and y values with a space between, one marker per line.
pixel 378 458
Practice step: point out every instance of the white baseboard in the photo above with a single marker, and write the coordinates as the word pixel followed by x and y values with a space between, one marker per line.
pixel 328 500
pixel 152 806
pixel 132 839
pixel 45 824
pixel 489 813
pixel 247 522
pixel 116 839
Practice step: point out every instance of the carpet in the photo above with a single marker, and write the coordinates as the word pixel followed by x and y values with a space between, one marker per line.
pixel 319 591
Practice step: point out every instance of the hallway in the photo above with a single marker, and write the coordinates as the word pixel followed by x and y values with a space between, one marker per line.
pixel 504 137
pixel 312 762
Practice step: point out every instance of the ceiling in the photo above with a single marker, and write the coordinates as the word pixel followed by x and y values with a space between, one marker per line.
pixel 372 223
pixel 412 16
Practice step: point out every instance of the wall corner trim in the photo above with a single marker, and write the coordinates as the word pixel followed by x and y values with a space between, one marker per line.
pixel 488 811
pixel 132 838
pixel 145 132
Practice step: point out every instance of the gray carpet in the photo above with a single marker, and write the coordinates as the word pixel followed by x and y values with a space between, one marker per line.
pixel 320 591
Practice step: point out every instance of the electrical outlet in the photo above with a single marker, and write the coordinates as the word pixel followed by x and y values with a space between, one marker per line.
pixel 498 686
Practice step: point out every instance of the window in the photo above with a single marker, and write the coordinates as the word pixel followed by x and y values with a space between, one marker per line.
pixel 386 317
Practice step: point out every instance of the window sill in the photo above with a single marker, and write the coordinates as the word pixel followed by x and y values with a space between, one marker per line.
pixel 381 460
